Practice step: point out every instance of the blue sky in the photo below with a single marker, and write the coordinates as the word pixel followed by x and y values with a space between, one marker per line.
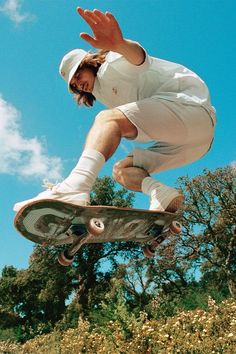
pixel 42 131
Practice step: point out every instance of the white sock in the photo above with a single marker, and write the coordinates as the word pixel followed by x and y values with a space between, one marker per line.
pixel 161 196
pixel 83 176
pixel 149 184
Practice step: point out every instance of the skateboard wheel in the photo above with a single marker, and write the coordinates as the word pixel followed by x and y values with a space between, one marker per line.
pixel 95 227
pixel 148 252
pixel 175 227
pixel 64 259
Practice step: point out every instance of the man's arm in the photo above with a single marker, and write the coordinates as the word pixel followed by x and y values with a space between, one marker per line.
pixel 108 36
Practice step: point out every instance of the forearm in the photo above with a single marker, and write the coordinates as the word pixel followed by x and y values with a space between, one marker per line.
pixel 132 51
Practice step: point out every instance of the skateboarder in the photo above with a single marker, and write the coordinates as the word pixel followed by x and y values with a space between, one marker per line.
pixel 149 100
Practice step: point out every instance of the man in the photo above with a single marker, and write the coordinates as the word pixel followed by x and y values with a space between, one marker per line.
pixel 149 100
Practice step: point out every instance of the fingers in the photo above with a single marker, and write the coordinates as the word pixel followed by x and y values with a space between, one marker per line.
pixel 88 38
pixel 87 16
pixel 104 26
pixel 94 17
pixel 102 17
pixel 111 17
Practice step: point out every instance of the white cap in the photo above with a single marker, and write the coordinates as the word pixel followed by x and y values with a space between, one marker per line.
pixel 70 63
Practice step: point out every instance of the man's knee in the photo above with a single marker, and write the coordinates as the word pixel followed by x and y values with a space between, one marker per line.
pixel 117 171
pixel 103 116
pixel 119 168
pixel 129 176
pixel 126 128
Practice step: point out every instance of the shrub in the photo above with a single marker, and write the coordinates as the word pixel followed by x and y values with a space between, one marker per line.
pixel 189 332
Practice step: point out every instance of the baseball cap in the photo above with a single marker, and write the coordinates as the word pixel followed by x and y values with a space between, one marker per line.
pixel 70 63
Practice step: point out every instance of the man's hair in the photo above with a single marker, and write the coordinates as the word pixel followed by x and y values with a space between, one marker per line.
pixel 92 61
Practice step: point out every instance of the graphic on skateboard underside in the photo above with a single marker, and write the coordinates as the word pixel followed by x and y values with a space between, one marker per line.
pixel 48 221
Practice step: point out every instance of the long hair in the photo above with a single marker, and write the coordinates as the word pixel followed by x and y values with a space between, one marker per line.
pixel 92 61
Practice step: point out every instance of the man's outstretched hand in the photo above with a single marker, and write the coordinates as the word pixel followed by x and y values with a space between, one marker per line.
pixel 107 34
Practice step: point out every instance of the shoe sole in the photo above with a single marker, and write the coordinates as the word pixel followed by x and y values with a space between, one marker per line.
pixel 175 204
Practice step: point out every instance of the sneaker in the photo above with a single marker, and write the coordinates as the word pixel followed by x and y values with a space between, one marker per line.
pixel 53 192
pixel 166 198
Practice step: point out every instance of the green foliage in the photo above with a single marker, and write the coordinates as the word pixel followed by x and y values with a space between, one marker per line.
pixel 36 297
pixel 32 300
pixel 91 282
pixel 70 317
pixel 9 334
pixel 105 192
pixel 8 319
pixel 113 307
pixel 192 332
pixel 209 237
pixel 113 298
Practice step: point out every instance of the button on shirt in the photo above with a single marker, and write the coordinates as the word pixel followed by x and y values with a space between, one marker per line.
pixel 119 82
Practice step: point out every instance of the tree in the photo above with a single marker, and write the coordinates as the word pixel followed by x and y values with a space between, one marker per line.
pixel 206 247
pixel 36 297
pixel 93 278
pixel 209 237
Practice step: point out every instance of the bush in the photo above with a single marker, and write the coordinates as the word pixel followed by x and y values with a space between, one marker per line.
pixel 190 332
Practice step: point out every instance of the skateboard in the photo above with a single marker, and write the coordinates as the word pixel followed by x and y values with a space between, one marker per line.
pixel 55 223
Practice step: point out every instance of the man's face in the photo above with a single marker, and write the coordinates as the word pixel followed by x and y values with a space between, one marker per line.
pixel 83 80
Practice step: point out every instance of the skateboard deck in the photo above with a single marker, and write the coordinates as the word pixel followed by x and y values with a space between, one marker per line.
pixel 50 222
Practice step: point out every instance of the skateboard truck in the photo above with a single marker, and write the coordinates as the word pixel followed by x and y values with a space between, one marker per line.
pixel 174 229
pixel 81 234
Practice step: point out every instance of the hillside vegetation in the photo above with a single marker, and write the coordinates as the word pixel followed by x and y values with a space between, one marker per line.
pixel 114 300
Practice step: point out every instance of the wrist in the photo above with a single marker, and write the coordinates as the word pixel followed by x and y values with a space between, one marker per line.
pixel 122 46
pixel 132 51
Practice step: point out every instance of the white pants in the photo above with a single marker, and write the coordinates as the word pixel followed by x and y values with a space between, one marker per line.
pixel 181 133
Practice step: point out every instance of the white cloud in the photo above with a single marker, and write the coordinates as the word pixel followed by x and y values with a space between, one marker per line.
pixel 12 9
pixel 21 156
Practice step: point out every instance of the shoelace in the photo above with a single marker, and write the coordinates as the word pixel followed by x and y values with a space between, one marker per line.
pixel 47 184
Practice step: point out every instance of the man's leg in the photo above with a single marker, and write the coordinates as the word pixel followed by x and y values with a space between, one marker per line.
pixel 102 141
pixel 137 179
pixel 129 176
pixel 108 129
